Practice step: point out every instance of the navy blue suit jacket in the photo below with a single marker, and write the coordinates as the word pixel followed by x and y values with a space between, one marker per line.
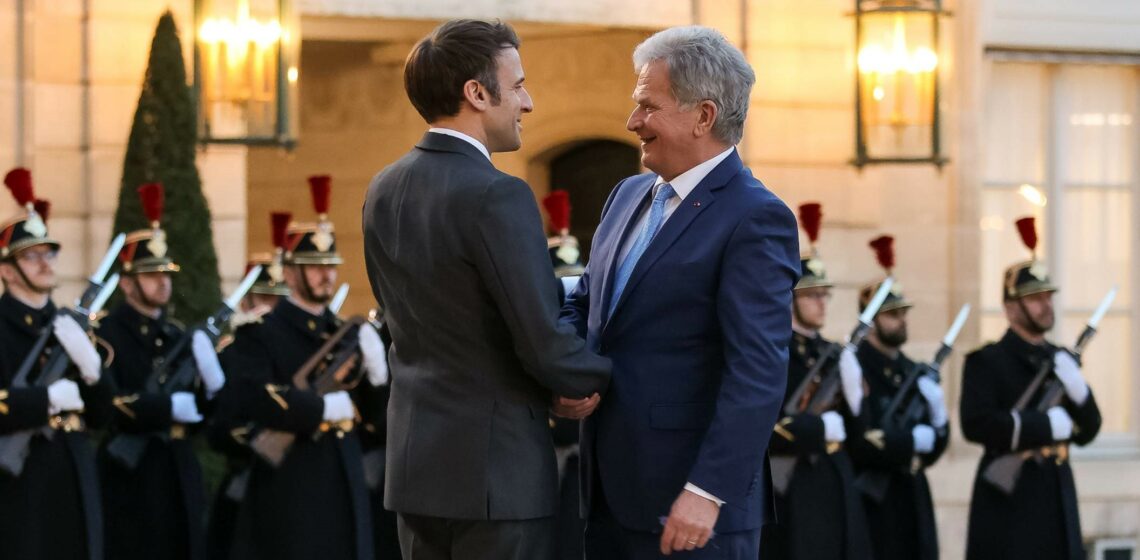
pixel 699 343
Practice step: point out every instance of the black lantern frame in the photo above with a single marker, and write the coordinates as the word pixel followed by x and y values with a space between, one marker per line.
pixel 878 69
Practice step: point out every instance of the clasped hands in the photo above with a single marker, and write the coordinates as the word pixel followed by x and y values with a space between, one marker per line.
pixel 575 409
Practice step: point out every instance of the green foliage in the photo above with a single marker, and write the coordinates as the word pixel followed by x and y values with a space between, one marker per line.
pixel 162 148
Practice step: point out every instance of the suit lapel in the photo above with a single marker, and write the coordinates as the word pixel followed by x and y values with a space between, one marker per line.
pixel 698 201
pixel 627 221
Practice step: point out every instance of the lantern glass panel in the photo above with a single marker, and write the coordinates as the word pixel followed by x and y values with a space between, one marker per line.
pixel 897 64
pixel 247 70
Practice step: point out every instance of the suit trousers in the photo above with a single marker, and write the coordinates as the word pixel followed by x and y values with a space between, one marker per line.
pixel 437 538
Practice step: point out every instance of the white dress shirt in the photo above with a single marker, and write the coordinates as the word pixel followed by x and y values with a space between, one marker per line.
pixel 683 184
pixel 456 134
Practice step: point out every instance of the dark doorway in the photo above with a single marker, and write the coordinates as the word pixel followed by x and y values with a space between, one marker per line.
pixel 589 171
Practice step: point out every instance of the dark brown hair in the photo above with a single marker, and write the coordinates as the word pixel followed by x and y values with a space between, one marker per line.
pixel 455 52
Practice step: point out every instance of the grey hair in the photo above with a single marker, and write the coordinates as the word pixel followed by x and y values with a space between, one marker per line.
pixel 703 65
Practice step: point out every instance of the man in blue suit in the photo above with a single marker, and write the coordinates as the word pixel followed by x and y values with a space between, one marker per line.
pixel 687 291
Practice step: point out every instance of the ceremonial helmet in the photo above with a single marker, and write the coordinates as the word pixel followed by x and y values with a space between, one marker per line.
pixel 29 228
pixel 271 281
pixel 563 247
pixel 813 274
pixel 145 250
pixel 308 243
pixel 884 247
pixel 1031 276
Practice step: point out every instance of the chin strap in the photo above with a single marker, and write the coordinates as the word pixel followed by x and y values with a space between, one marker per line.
pixel 27 282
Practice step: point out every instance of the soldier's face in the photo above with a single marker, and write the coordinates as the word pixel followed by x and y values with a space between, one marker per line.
pixel 810 307
pixel 890 327
pixel 156 286
pixel 1033 312
pixel 38 266
pixel 319 279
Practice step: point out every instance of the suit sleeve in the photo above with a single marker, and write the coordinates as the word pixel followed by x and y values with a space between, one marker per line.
pixel 986 421
pixel 576 305
pixel 756 327
pixel 511 256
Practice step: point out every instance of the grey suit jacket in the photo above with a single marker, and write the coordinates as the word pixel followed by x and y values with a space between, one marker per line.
pixel 456 253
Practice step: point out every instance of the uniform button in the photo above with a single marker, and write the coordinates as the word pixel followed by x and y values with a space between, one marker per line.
pixel 158 342
pixel 312 325
pixel 28 320
pixel 143 329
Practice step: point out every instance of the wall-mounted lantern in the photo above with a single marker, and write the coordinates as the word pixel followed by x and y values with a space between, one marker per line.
pixel 896 82
pixel 246 71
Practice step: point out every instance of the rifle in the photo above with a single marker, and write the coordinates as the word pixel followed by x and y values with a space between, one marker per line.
pixel 128 449
pixel 907 407
pixel 817 391
pixel 327 370
pixel 14 447
pixel 1003 472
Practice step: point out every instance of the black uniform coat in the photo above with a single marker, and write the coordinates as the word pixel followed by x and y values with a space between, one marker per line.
pixel 229 438
pixel 902 525
pixel 315 504
pixel 155 511
pixel 52 511
pixel 1040 520
pixel 820 516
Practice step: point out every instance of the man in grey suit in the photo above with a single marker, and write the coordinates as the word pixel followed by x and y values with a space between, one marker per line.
pixel 456 253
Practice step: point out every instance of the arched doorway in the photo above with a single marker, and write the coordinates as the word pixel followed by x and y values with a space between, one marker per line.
pixel 589 171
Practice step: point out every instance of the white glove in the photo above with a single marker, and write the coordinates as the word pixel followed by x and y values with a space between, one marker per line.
pixel 375 357
pixel 209 368
pixel 1060 423
pixel 923 438
pixel 63 395
pixel 184 408
pixel 1067 370
pixel 833 430
pixel 935 400
pixel 851 374
pixel 338 406
pixel 78 347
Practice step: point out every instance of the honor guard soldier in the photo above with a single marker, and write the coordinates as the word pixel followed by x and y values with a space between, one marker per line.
pixel 270 287
pixel 900 512
pixel 49 491
pixel 819 515
pixel 153 493
pixel 306 498
pixel 565 256
pixel 262 297
pixel 1025 400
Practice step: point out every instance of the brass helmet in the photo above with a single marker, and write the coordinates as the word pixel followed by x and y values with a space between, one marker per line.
pixel 884 247
pixel 1028 277
pixel 813 274
pixel 314 243
pixel 145 250
pixel 29 228
pixel 564 250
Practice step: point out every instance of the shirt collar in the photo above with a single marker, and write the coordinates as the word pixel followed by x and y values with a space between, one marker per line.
pixel 456 134
pixel 684 183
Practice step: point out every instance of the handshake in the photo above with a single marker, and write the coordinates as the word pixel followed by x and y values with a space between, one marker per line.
pixel 575 409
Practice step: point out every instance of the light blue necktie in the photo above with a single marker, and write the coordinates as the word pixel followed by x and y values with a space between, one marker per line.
pixel 656 216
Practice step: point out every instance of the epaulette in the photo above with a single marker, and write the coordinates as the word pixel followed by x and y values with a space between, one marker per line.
pixel 982 346
pixel 176 323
